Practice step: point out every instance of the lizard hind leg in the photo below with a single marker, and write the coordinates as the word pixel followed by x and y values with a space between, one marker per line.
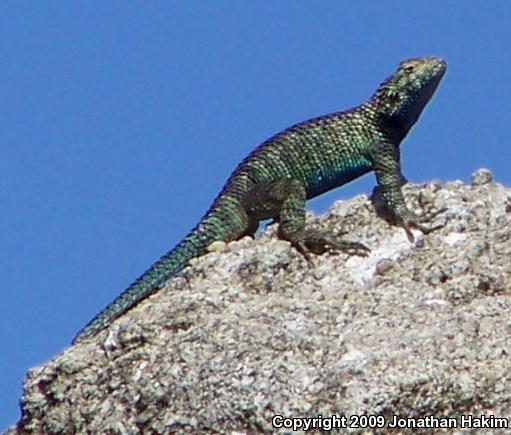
pixel 284 200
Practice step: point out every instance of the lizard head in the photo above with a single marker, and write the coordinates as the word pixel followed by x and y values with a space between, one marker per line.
pixel 402 96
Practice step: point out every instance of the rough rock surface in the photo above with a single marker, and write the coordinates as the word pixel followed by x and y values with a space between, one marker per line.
pixel 253 331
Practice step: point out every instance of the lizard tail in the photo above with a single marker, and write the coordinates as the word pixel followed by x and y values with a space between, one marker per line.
pixel 195 244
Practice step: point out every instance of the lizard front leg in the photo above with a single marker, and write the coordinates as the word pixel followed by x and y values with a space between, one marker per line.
pixel 387 167
pixel 284 200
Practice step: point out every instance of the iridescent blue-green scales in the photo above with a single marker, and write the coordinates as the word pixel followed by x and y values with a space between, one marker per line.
pixel 299 163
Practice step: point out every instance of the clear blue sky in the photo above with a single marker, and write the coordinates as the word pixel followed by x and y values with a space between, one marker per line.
pixel 121 121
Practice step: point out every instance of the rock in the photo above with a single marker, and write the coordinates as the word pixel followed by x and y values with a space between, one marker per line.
pixel 255 332
pixel 481 177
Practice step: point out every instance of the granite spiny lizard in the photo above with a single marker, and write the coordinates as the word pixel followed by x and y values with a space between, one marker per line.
pixel 299 163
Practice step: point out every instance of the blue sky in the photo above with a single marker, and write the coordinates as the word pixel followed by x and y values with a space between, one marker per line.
pixel 121 120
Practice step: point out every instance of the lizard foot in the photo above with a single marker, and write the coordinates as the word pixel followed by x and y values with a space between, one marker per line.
pixel 318 243
pixel 414 221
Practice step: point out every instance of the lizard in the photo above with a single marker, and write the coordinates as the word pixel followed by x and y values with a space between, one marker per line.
pixel 299 163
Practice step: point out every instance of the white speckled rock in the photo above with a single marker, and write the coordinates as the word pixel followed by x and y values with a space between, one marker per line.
pixel 252 331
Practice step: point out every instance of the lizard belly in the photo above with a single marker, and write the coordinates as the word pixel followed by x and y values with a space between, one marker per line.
pixel 323 181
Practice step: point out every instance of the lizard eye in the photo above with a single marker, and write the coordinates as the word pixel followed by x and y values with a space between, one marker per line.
pixel 409 68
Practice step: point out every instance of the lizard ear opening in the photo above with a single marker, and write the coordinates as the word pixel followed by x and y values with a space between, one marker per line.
pixel 393 97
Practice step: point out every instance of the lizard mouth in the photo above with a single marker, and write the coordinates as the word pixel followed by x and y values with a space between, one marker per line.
pixel 440 66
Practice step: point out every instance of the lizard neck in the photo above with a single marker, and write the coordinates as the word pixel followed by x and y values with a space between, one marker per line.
pixel 394 126
pixel 397 106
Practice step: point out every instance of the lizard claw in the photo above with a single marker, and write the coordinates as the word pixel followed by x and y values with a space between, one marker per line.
pixel 430 214
pixel 413 221
pixel 317 243
pixel 302 249
pixel 348 246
